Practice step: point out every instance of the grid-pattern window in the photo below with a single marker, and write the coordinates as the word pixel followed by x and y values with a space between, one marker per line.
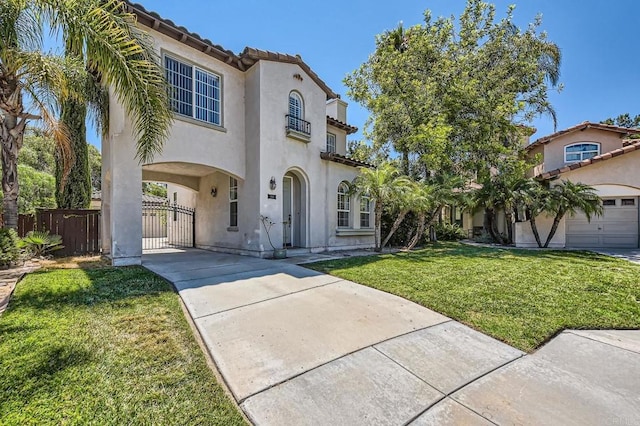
pixel 580 152
pixel 344 205
pixel 233 201
pixel 193 92
pixel 365 212
pixel 331 142
pixel 296 108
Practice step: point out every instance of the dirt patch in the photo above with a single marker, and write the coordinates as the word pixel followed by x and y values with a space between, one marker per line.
pixel 76 262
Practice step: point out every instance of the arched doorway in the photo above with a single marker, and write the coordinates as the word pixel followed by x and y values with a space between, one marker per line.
pixel 294 209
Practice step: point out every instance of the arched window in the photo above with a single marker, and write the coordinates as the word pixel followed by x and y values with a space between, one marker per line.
pixel 580 151
pixel 296 107
pixel 344 205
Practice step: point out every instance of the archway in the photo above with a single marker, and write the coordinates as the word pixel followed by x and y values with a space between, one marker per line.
pixel 295 210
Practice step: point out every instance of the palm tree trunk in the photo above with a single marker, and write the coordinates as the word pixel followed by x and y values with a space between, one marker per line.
pixel 534 228
pixel 395 226
pixel 419 231
pixel 509 219
pixel 11 134
pixel 378 225
pixel 554 228
pixel 489 224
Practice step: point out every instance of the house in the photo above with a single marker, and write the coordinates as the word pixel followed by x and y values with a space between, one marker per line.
pixel 603 157
pixel 256 134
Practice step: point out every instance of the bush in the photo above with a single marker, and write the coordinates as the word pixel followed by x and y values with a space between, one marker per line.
pixel 449 232
pixel 40 243
pixel 10 247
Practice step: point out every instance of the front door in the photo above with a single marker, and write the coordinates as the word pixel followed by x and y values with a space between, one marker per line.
pixel 287 211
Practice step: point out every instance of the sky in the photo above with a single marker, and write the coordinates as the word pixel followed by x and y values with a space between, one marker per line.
pixel 598 38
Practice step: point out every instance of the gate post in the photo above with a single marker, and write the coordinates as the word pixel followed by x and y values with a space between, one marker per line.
pixel 193 229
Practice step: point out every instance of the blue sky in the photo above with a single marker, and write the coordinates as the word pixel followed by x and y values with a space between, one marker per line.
pixel 600 67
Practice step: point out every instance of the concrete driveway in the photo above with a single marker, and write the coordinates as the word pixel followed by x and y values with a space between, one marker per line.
pixel 298 347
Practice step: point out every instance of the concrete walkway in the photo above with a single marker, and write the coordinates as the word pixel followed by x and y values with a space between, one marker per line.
pixel 297 347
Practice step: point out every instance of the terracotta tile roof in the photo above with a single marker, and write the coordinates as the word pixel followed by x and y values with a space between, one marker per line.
pixel 582 126
pixel 242 62
pixel 337 158
pixel 633 146
pixel 340 125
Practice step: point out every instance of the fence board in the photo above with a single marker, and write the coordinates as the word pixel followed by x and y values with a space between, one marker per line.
pixel 79 229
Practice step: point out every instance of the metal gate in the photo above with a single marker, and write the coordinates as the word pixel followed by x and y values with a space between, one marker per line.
pixel 166 225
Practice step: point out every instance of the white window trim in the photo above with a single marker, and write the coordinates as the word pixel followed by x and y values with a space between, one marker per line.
pixel 294 94
pixel 333 147
pixel 195 68
pixel 343 190
pixel 580 152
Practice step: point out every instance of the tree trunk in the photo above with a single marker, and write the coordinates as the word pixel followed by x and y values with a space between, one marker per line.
pixel 554 228
pixel 75 192
pixel 508 215
pixel 378 226
pixel 489 226
pixel 11 136
pixel 534 228
pixel 395 226
pixel 405 162
pixel 419 231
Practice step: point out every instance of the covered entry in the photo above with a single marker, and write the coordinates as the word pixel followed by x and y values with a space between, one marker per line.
pixel 294 209
pixel 617 228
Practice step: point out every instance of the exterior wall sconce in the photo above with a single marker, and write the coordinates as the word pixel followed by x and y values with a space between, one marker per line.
pixel 272 183
pixel 214 191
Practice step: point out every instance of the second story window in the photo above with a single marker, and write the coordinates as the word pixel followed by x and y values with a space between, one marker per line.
pixel 194 92
pixel 580 151
pixel 331 142
pixel 295 118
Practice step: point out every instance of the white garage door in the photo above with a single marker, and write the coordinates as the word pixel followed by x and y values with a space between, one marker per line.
pixel 617 228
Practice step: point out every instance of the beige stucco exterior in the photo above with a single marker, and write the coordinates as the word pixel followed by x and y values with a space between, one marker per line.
pixel 618 176
pixel 252 146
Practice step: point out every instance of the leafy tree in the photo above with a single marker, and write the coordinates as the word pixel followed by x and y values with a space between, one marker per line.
pixel 381 186
pixel 624 120
pixel 361 151
pixel 454 93
pixel 38 190
pixel 95 167
pixel 117 53
pixel 74 187
pixel 38 151
pixel 152 188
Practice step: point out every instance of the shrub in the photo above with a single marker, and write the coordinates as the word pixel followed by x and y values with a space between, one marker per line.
pixel 449 232
pixel 10 247
pixel 40 243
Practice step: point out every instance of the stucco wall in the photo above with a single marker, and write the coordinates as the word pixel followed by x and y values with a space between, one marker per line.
pixel 524 235
pixel 554 150
pixel 622 170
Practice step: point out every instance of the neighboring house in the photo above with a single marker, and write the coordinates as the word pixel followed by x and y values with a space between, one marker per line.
pixel 257 133
pixel 598 155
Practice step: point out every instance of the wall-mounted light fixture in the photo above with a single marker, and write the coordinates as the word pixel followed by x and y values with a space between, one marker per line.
pixel 214 191
pixel 272 183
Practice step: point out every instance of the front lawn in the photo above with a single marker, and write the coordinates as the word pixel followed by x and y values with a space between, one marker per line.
pixel 104 346
pixel 518 296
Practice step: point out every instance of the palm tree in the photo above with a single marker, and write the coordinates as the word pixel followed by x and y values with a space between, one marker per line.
pixel 438 192
pixel 568 197
pixel 381 186
pixel 403 202
pixel 117 53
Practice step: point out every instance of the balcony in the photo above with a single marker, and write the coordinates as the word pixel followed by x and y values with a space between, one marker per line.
pixel 298 128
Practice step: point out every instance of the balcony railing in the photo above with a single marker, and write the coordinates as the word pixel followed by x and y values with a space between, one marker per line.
pixel 298 125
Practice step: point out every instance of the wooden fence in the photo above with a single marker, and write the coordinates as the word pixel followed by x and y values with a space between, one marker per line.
pixel 79 229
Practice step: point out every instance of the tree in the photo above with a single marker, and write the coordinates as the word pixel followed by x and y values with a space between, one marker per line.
pixel 361 151
pixel 152 188
pixel 454 94
pixel 117 53
pixel 625 120
pixel 380 185
pixel 568 197
pixel 95 167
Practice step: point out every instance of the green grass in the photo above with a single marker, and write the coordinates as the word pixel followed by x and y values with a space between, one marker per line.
pixel 520 297
pixel 104 346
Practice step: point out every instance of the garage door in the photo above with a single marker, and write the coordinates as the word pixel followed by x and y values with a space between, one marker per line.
pixel 617 228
